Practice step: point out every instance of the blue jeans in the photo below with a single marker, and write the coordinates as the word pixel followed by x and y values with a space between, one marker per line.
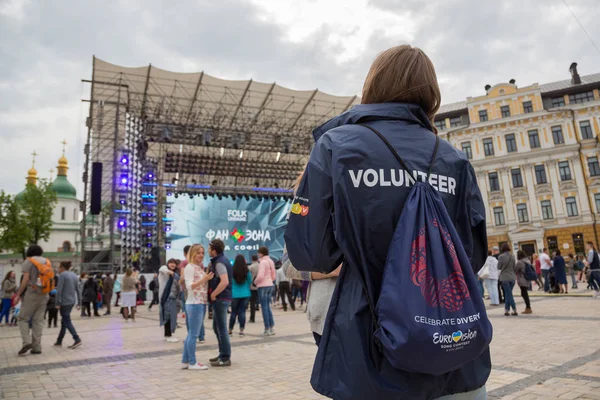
pixel 6 305
pixel 594 280
pixel 264 298
pixel 238 309
pixel 66 323
pixel 545 273
pixel 509 299
pixel 194 315
pixel 201 337
pixel 220 308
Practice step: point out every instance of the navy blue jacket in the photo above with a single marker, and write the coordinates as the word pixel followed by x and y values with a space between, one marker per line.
pixel 226 294
pixel 346 210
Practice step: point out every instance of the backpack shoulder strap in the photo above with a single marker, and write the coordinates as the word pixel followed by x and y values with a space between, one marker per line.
pixel 397 156
pixel 35 263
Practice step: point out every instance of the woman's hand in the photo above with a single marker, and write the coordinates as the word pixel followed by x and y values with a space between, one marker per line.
pixel 207 277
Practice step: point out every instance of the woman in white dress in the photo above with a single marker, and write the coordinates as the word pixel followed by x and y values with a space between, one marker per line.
pixel 129 294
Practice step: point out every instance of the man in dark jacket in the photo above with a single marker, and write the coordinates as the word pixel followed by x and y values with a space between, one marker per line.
pixel 107 287
pixel 220 296
pixel 346 210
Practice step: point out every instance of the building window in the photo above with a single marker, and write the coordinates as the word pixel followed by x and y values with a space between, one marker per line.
pixel 527 107
pixel 488 147
pixel 571 207
pixel 499 216
pixel 522 213
pixel 517 178
pixel 66 247
pixel 586 130
pixel 578 244
pixel 547 209
pixel 466 148
pixel 581 97
pixel 593 166
pixel 558 102
pixel 534 139
pixel 440 124
pixel 63 213
pixel 557 135
pixel 505 111
pixel 540 174
pixel 90 233
pixel 74 214
pixel 564 170
pixel 483 115
pixel 455 121
pixel 552 243
pixel 511 143
pixel 494 182
pixel 597 199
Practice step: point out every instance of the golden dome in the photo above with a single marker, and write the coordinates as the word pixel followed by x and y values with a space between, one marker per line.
pixel 32 176
pixel 63 166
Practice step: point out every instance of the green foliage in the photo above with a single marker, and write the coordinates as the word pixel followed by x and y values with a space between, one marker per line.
pixel 38 204
pixel 14 233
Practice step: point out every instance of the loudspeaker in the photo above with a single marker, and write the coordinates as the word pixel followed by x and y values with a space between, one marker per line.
pixel 96 192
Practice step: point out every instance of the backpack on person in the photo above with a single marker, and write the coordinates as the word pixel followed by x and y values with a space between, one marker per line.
pixel 529 273
pixel 430 318
pixel 152 285
pixel 45 275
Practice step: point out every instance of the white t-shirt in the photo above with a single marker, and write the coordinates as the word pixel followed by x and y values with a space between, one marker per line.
pixel 163 278
pixel 545 261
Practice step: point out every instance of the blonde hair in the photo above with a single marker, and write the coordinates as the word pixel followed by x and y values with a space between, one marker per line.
pixel 195 249
pixel 403 74
pixel 128 272
pixel 299 179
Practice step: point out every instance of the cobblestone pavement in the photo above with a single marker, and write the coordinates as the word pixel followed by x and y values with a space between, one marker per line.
pixel 552 354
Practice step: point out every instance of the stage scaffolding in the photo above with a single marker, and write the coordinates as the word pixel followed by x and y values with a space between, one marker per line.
pixel 195 133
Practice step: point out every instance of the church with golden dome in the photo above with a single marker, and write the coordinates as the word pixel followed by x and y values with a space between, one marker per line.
pixel 66 218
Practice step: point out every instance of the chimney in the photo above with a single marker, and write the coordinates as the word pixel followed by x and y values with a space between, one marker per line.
pixel 575 79
pixel 487 88
pixel 512 81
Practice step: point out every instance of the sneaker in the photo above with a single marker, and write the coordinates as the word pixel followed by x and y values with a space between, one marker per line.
pixel 241 334
pixel 506 314
pixel 266 333
pixel 514 313
pixel 57 344
pixel 25 349
pixel 36 352
pixel 198 366
pixel 172 340
pixel 230 333
pixel 201 341
pixel 221 363
pixel 75 345
pixel 185 365
pixel 212 360
pixel 271 332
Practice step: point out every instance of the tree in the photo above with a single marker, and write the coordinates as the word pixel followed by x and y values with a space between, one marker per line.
pixel 14 233
pixel 38 204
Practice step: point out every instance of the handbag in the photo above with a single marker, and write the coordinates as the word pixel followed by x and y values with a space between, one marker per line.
pixel 484 272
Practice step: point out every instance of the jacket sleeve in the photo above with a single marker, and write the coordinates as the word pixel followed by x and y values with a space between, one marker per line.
pixel 59 291
pixel 309 236
pixel 476 210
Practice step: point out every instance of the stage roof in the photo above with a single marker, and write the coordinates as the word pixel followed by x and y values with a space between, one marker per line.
pixel 205 102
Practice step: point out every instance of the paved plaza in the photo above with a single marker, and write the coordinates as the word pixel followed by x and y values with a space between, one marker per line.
pixel 552 354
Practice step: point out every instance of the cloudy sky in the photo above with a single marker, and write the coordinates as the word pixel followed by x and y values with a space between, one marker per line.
pixel 46 48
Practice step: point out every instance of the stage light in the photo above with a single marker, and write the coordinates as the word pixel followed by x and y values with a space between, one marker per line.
pixel 122 199
pixel 124 159
pixel 149 234
pixel 168 246
pixel 277 157
pixel 122 223
pixel 150 176
pixel 148 244
pixel 169 194
pixel 168 228
pixel 168 209
pixel 124 179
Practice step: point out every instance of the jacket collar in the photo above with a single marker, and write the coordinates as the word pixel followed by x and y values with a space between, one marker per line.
pixel 411 113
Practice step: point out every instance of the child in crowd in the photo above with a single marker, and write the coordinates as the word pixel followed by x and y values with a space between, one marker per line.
pixel 16 310
pixel 51 309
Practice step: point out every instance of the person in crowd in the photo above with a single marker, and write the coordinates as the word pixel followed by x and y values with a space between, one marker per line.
pixel 51 309
pixel 594 268
pixel 253 289
pixel 129 295
pixel 9 287
pixel 571 261
pixel 491 281
pixel 560 272
pixel 546 265
pixel 108 287
pixel 183 295
pixel 538 271
pixel 34 304
pixel 264 282
pixel 82 281
pixel 496 254
pixel 143 288
pixel 297 292
pixel 117 289
pixel 400 99
pixel 508 276
pixel 169 296
pixel 220 287
pixel 153 286
pixel 67 297
pixel 196 281
pixel 521 265
pixel 285 288
pixel 580 264
pixel 242 279
pixel 135 259
pixel 90 296
pixel 15 316
pixel 100 296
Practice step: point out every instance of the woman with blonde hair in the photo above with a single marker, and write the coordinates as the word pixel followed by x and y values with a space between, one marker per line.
pixel 129 294
pixel 196 283
pixel 347 209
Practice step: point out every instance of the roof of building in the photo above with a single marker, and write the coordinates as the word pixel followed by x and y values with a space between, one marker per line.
pixel 63 188
pixel 545 88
